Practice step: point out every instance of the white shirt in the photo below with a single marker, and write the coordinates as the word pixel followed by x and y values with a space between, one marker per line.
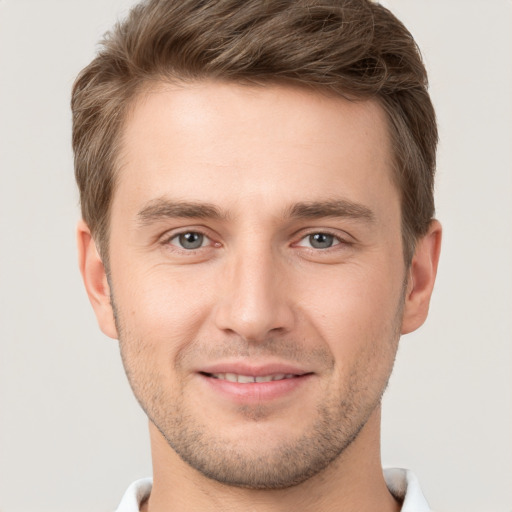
pixel 402 484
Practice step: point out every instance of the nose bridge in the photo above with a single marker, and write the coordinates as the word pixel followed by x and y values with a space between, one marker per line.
pixel 254 301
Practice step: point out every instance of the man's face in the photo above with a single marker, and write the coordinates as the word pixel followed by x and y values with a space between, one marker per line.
pixel 256 235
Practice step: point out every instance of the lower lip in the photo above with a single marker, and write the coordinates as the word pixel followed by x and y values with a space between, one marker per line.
pixel 253 392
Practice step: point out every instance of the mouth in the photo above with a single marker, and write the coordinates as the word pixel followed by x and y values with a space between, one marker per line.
pixel 256 385
pixel 250 379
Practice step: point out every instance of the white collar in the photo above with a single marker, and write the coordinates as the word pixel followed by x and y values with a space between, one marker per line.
pixel 402 484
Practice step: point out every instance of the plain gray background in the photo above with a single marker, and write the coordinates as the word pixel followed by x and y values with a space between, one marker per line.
pixel 71 435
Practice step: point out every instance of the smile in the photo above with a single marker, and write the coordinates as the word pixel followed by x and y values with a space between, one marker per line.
pixel 248 379
pixel 254 386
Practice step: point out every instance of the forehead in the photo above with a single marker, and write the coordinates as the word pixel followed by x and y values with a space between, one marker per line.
pixel 222 142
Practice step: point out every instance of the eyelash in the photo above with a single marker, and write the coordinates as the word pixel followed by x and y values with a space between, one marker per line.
pixel 167 240
pixel 337 241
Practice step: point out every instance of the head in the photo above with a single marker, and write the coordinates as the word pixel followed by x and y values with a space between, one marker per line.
pixel 352 48
pixel 257 177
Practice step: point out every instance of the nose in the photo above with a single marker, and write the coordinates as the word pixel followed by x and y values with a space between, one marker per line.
pixel 254 300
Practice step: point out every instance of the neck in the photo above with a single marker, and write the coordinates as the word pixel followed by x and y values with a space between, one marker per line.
pixel 354 481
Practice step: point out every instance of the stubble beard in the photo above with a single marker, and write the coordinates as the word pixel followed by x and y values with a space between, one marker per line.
pixel 339 420
pixel 287 464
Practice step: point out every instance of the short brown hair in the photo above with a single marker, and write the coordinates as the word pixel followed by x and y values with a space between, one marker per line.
pixel 352 48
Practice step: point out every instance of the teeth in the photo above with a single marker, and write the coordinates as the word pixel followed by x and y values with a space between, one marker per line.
pixel 264 378
pixel 246 379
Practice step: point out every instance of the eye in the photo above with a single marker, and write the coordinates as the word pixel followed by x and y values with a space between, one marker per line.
pixel 190 240
pixel 319 241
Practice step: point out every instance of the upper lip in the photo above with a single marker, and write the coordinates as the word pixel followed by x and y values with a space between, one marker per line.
pixel 253 370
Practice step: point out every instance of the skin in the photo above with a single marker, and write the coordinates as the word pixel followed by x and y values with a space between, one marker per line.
pixel 258 173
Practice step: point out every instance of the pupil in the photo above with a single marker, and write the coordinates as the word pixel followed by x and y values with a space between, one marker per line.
pixel 191 240
pixel 321 240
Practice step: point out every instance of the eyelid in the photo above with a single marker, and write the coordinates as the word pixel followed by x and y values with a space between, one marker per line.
pixel 342 238
pixel 304 242
pixel 171 234
pixel 204 242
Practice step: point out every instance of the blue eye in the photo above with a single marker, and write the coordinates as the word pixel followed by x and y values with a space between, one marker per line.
pixel 321 240
pixel 190 240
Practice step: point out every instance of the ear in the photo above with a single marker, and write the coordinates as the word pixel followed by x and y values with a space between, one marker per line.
pixel 422 275
pixel 95 280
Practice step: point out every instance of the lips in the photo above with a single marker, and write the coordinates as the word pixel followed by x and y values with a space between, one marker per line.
pixel 244 383
pixel 245 373
pixel 248 379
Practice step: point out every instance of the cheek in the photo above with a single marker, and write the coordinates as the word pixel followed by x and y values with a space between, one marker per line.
pixel 352 308
pixel 160 310
pixel 158 316
pixel 359 322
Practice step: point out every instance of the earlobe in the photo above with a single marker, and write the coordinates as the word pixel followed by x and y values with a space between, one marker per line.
pixel 95 280
pixel 422 275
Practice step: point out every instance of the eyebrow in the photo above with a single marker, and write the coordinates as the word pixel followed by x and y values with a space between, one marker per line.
pixel 339 208
pixel 161 209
